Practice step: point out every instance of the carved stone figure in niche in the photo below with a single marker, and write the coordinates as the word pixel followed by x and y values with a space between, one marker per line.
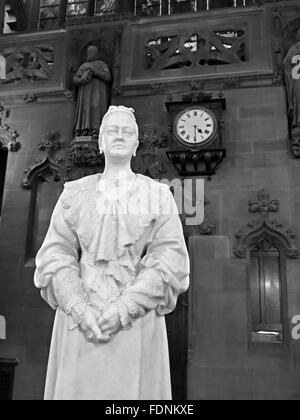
pixel 93 78
pixel 292 83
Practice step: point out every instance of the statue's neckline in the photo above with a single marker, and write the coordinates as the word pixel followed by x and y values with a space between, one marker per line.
pixel 130 180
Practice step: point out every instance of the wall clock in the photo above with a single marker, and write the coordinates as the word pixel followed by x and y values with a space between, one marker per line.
pixel 196 134
pixel 195 127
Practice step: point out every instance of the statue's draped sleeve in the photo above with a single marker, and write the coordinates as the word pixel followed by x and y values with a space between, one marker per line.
pixel 57 269
pixel 163 271
pixel 101 70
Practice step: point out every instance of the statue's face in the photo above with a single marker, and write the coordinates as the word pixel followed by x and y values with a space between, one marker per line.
pixel 119 137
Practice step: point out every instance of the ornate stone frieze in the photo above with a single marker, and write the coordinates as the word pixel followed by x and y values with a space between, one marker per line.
pixel 28 63
pixel 196 49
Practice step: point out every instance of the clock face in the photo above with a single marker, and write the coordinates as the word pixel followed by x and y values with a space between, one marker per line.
pixel 195 126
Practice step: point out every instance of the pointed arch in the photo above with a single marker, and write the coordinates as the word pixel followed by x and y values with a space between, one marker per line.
pixel 266 244
pixel 45 180
pixel 279 235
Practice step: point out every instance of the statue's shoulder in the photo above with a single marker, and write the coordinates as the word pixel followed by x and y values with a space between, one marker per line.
pixel 75 191
pixel 82 184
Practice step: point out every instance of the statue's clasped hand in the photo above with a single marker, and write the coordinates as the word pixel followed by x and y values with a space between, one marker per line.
pixel 109 322
pixel 90 329
pixel 100 328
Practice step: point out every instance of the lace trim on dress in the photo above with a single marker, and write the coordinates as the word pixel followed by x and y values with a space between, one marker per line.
pixel 68 290
pixel 107 227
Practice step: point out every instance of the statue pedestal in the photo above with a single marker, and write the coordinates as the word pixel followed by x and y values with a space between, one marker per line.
pixel 218 320
pixel 85 152
pixel 83 139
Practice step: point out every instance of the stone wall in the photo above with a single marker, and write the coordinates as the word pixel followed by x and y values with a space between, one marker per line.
pixel 29 319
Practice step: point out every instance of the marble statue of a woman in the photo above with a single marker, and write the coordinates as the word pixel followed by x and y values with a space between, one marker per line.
pixel 109 338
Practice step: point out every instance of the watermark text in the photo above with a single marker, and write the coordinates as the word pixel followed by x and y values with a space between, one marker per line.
pixel 296 69
pixel 296 327
pixel 2 68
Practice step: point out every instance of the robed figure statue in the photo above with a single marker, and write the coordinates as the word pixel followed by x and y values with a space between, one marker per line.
pixel 93 79
pixel 112 265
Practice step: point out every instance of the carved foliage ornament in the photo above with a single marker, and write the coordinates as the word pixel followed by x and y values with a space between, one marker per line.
pixel 208 227
pixel 85 153
pixel 274 231
pixel 8 136
pixel 28 64
pixel 49 163
pixel 150 143
pixel 295 142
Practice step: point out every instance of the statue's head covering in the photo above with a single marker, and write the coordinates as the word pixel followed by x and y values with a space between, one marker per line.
pixel 119 110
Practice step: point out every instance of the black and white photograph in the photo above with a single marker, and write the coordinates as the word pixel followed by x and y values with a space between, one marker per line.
pixel 149 199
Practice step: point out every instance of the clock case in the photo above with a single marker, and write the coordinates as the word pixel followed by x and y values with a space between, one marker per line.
pixel 205 159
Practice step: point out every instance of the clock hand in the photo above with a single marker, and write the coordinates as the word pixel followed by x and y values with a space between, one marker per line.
pixel 195 135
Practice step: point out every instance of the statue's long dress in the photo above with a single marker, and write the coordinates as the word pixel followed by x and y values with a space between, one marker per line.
pixel 138 259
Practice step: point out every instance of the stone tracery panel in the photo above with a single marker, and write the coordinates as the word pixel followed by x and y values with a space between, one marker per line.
pixel 28 63
pixel 209 48
pixel 202 47
pixel 34 62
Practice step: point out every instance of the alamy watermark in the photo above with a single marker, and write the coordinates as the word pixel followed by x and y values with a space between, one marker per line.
pixel 296 327
pixel 2 328
pixel 2 67
pixel 188 199
pixel 296 69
